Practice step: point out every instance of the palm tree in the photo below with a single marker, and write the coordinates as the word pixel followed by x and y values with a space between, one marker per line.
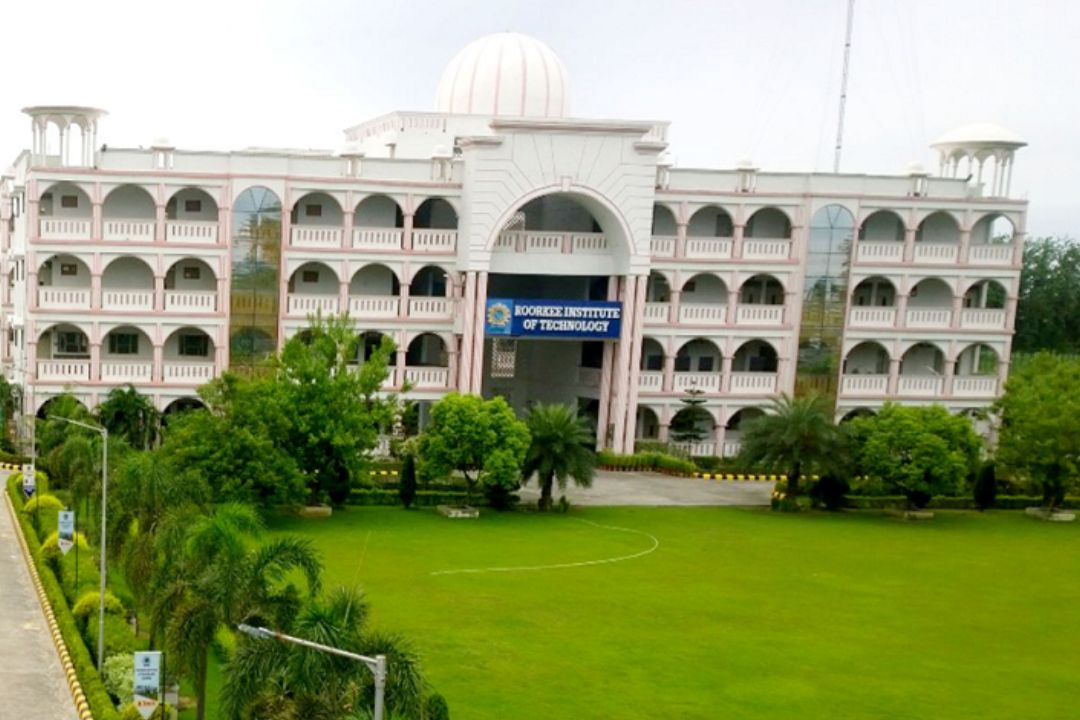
pixel 795 435
pixel 220 580
pixel 559 450
pixel 279 680
pixel 132 415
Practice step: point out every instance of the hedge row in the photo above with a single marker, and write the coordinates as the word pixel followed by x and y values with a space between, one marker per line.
pixel 1003 502
pixel 94 689
pixel 660 462
pixel 424 498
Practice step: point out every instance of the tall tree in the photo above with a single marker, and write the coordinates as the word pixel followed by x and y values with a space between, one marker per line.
pixel 558 451
pixel 222 579
pixel 129 414
pixel 481 439
pixel 795 435
pixel 1040 424
pixel 1049 298
pixel 686 425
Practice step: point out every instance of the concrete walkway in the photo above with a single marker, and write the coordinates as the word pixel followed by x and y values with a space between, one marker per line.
pixel 654 489
pixel 32 683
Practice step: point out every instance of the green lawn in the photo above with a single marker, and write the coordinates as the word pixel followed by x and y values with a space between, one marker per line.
pixel 737 614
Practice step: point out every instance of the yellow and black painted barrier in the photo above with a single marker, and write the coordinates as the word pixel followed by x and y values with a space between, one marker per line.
pixel 747 477
pixel 10 466
pixel 383 473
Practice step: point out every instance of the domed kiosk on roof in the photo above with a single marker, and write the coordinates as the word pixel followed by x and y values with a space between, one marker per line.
pixel 505 74
pixel 981 145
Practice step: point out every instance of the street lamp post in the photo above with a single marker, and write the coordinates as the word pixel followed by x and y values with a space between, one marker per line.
pixel 104 529
pixel 377 664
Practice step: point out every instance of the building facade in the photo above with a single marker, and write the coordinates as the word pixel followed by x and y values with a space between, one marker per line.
pixel 163 267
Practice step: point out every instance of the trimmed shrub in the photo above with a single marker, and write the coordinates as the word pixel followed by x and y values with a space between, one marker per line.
pixel 119 676
pixel 435 708
pixel 50 549
pixel 645 461
pixel 985 488
pixel 42 503
pixel 87 604
pixel 130 712
pixel 119 640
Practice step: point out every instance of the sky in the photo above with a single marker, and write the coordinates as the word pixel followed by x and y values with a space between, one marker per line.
pixel 737 79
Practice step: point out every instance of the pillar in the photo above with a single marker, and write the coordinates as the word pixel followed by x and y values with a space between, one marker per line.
pixel 407 233
pixel 478 333
pixel 1010 312
pixel 737 241
pixel 669 371
pixel 468 313
pixel 95 220
pixel 347 222
pixel 620 372
pixel 159 293
pixel 158 370
pixel 894 375
pixel 451 364
pixel 95 291
pixel 901 309
pixel 673 307
pixel 604 435
pixel 965 246
pixel 31 287
pixel 950 370
pixel 399 367
pixel 403 303
pixel 957 306
pixel 726 361
pixel 680 240
pixel 95 360
pixel 732 305
pixel 343 296
pixel 909 244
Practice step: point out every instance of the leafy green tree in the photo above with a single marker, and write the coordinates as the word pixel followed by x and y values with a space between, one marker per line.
pixel 1049 297
pixel 222 579
pixel 795 436
pixel 407 481
pixel 131 415
pixel 481 439
pixel 1040 424
pixel 52 432
pixel 335 409
pixel 917 452
pixel 281 680
pixel 686 425
pixel 559 450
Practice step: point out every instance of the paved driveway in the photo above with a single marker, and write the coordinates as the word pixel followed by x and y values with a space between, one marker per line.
pixel 631 488
pixel 32 683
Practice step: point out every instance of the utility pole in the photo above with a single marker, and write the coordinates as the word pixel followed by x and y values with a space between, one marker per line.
pixel 843 86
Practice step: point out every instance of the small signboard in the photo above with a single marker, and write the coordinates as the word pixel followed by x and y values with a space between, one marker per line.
pixel 29 480
pixel 147 682
pixel 65 530
pixel 553 319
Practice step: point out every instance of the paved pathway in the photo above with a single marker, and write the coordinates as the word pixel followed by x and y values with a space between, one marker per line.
pixel 632 488
pixel 32 683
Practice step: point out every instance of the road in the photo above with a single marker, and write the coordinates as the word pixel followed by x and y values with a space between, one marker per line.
pixel 32 683
pixel 653 489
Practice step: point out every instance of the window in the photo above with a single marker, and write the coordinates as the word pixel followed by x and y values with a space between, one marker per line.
pixel 124 343
pixel 194 345
pixel 310 276
pixel 193 206
pixel 69 201
pixel 70 343
pixel 654 362
pixel 191 272
pixel 314 210
pixel 705 364
pixel 69 269
pixel 682 363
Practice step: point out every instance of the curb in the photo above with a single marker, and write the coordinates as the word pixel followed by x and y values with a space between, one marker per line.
pixel 741 477
pixel 77 696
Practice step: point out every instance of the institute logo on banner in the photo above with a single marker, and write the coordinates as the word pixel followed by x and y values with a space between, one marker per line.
pixel 500 317
pixel 147 681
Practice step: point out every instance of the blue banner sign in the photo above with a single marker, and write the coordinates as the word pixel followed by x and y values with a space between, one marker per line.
pixel 553 319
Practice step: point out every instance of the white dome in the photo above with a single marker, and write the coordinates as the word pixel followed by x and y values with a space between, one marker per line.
pixel 980 134
pixel 504 74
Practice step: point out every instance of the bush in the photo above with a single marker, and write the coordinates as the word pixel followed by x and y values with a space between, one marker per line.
pixel 13 458
pixel 407 484
pixel 119 640
pixel 42 503
pixel 435 708
pixel 645 461
pixel 389 498
pixel 87 604
pixel 985 489
pixel 829 492
pixel 130 712
pixel 119 676
pixel 50 549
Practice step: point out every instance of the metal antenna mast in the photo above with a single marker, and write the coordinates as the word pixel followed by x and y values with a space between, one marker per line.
pixel 843 86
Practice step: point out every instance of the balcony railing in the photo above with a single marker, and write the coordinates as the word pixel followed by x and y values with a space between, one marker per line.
pixel 997 255
pixel 551 243
pixel 920 385
pixel 872 317
pixel 63 370
pixel 703 313
pixel 663 246
pixel 864 384
pixel 299 304
pixel 936 253
pixel 714 248
pixel 315 236
pixel 427 377
pixel 127 299
pixel 374 306
pixel 191 301
pixel 381 239
pixel 753 382
pixel 704 381
pixel 58 228
pixel 62 298
pixel 761 249
pixel 929 317
pixel 704 448
pixel 982 318
pixel 879 252
pixel 651 381
pixel 434 241
pixel 656 312
pixel 730 448
pixel 201 232
pixel 128 231
pixel 760 314
pixel 190 373
pixel 980 386
pixel 431 308
pixel 126 371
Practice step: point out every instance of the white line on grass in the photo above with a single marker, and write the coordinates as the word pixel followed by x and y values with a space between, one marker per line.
pixel 559 566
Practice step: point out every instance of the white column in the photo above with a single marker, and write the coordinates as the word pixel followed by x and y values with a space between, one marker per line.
pixel 478 333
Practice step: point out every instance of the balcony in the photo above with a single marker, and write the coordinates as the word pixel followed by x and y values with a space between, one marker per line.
pixel 920 386
pixel 656 313
pixel 63 298
pixel 927 253
pixel 304 305
pixel 63 370
pixel 189 373
pixel 58 228
pixel 191 301
pixel 730 448
pixel 879 252
pixel 378 239
pixel 705 381
pixel 651 381
pixel 434 241
pixel 703 314
pixel 315 236
pixel 128 231
pixel 704 448
pixel 374 306
pixel 663 246
pixel 754 249
pixel 993 255
pixel 134 300
pixel 760 314
pixel 196 232
pixel 753 383
pixel 975 386
pixel 937 318
pixel 864 384
pixel 431 308
pixel 119 371
pixel 872 317
pixel 698 248
pixel 982 319
pixel 427 377
pixel 551 242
